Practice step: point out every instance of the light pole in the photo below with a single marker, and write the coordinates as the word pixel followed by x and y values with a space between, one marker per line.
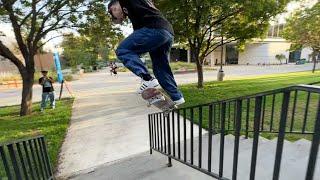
pixel 221 73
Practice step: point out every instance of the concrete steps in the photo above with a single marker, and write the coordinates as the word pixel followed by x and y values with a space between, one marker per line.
pixel 293 165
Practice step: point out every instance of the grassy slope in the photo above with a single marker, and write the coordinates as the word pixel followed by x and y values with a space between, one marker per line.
pixel 52 124
pixel 214 91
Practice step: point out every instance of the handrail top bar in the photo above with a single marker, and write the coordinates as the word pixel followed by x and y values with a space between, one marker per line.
pixel 309 88
pixel 318 82
pixel 301 87
pixel 21 140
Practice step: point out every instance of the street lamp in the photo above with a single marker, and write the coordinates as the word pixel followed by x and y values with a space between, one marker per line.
pixel 221 73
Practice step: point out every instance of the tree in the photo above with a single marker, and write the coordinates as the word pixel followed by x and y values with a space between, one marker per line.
pixel 280 57
pixel 77 50
pixel 302 29
pixel 200 23
pixel 99 30
pixel 97 38
pixel 32 21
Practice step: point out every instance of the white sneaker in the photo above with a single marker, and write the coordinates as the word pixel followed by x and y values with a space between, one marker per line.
pixel 180 101
pixel 153 83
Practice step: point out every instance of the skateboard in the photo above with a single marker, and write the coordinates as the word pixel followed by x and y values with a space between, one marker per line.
pixel 166 105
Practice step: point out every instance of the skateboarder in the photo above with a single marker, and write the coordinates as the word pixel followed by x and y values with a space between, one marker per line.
pixel 153 34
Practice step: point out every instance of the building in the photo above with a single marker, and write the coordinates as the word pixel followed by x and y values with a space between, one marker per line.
pixel 261 51
pixel 7 68
pixel 42 62
pixel 257 52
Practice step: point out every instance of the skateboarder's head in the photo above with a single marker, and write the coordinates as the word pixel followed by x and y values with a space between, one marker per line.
pixel 116 11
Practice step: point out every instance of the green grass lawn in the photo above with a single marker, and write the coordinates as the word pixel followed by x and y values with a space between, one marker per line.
pixel 214 91
pixel 52 124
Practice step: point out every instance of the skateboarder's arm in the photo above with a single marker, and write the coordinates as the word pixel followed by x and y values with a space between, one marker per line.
pixel 51 80
pixel 41 81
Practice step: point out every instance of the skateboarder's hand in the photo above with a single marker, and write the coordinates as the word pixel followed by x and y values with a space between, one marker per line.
pixel 50 79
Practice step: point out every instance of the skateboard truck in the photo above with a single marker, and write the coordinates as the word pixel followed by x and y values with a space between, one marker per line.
pixel 163 102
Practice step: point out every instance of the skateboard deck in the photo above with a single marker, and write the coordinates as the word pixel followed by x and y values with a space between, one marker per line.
pixel 166 105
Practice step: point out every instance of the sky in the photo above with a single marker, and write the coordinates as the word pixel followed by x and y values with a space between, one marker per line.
pixel 51 46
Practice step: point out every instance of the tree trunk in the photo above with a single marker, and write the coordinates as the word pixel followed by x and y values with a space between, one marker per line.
pixel 314 59
pixel 200 73
pixel 26 102
pixel 197 60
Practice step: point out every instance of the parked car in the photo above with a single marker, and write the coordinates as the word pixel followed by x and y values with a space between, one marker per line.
pixel 301 61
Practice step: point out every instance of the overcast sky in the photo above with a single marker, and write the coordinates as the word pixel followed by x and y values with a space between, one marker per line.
pixel 6 28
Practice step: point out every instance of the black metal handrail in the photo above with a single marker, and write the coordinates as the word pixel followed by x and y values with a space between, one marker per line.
pixel 25 159
pixel 291 110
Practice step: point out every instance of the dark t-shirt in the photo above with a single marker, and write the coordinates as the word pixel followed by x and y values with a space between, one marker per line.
pixel 143 13
pixel 47 85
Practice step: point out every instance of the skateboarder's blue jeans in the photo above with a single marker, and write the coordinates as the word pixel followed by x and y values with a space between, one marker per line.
pixel 158 43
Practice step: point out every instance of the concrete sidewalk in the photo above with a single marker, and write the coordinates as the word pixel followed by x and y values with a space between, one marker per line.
pixel 143 166
pixel 104 128
pixel 109 124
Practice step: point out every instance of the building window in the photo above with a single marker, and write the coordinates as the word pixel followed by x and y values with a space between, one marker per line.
pixel 275 31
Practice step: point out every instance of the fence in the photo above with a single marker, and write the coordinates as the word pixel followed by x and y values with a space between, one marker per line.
pixel 289 111
pixel 26 159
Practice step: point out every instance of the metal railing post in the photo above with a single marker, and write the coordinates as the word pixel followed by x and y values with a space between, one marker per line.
pixel 191 135
pixel 314 147
pixel 272 112
pixel 237 139
pixel 257 118
pixel 282 129
pixel 173 136
pixel 169 141
pixel 306 113
pixel 200 138
pixel 210 138
pixel 5 162
pixel 150 140
pixel 247 118
pixel 179 142
pixel 222 134
pixel 44 144
pixel 184 135
pixel 293 110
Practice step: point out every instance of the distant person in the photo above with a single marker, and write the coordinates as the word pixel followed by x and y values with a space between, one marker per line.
pixel 113 69
pixel 110 66
pixel 47 90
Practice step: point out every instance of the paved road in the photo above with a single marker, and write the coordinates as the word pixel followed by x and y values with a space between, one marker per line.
pixel 129 82
pixel 109 123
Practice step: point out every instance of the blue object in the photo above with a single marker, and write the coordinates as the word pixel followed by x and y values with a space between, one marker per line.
pixel 58 67
pixel 158 42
